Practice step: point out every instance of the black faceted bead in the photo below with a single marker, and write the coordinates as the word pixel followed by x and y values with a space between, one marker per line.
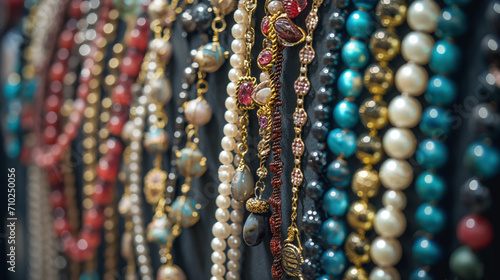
pixel 321 111
pixel 336 19
pixel 490 46
pixel 316 160
pixel 327 76
pixel 324 95
pixel 475 195
pixel 487 89
pixel 321 146
pixel 319 130
pixel 202 16
pixel 309 269
pixel 312 249
pixel 493 15
pixel 187 21
pixel 311 222
pixel 314 189
pixel 331 59
pixel 333 41
pixel 484 120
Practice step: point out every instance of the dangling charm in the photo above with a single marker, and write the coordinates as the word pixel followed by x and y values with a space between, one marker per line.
pixel 255 227
pixel 242 184
pixel 184 211
pixel 170 272
pixel 159 232
pixel 210 57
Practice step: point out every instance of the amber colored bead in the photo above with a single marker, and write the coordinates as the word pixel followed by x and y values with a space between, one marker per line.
pixel 391 13
pixel 355 273
pixel 378 79
pixel 374 114
pixel 369 149
pixel 357 249
pixel 365 183
pixel 384 45
pixel 360 216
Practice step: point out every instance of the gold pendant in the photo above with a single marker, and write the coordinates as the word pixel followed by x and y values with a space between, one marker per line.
pixel 291 259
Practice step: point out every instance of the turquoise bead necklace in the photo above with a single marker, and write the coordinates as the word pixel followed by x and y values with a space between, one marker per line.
pixel 482 158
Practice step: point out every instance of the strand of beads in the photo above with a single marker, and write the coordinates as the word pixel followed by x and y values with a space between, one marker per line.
pixel 482 158
pixel 389 222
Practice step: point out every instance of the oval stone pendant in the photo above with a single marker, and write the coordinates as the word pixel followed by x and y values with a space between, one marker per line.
pixel 242 184
pixel 254 229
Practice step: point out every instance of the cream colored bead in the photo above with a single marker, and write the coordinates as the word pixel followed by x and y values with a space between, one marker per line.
pixel 399 143
pixel 221 230
pixel 394 199
pixel 389 223
pixel 218 270
pixel 412 79
pixel 236 60
pixel 222 214
pixel 423 15
pixel 218 244
pixel 404 111
pixel 230 103
pixel 234 74
pixel 384 273
pixel 224 189
pixel 238 31
pixel 223 201
pixel 240 16
pixel 238 46
pixel 228 143
pixel 417 47
pixel 218 257
pixel 385 251
pixel 230 130
pixel 396 174
pixel 275 6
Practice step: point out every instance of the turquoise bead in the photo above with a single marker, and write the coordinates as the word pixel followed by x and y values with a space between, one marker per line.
pixel 483 160
pixel 420 274
pixel 342 142
pixel 350 83
pixel 365 4
pixel 457 2
pixel 333 262
pixel 355 54
pixel 346 114
pixel 430 187
pixel 335 202
pixel 431 154
pixel 452 23
pixel 184 211
pixel 426 251
pixel 360 24
pixel 445 57
pixel 430 218
pixel 441 91
pixel 338 173
pixel 13 123
pixel 89 275
pixel 13 148
pixel 29 88
pixel 435 122
pixel 10 90
pixel 324 277
pixel 333 232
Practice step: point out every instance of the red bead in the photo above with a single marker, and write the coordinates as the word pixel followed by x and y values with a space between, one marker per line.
pixel 70 130
pixel 94 217
pixel 51 118
pixel 287 30
pixel 91 236
pixel 66 40
pixel 245 93
pixel 294 7
pixel 122 94
pixel 264 26
pixel 108 167
pixel 83 91
pixel 78 250
pixel 54 175
pixel 74 9
pixel 475 231
pixel 50 135
pixel 118 119
pixel 57 71
pixel 265 57
pixel 63 140
pixel 103 192
pixel 139 38
pixel 114 146
pixel 61 224
pixel 56 88
pixel 57 199
pixel 131 64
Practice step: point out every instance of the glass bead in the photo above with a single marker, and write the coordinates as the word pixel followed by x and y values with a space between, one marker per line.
pixel 321 111
pixel 430 186
pixel 316 160
pixel 309 268
pixel 431 154
pixel 385 45
pixel 333 232
pixel 465 264
pixel 184 211
pixel 391 13
pixel 350 83
pixel 312 248
pixel 365 183
pixel 333 262
pixel 435 122
pixel 361 215
pixel 445 57
pixel 331 59
pixel 483 160
pixel 357 249
pixel 365 4
pixel 475 195
pixel 311 222
pixel 420 274
pixel 327 76
pixel 13 148
pixel 378 79
pixel 342 142
pixel 319 130
pixel 374 114
pixel 475 231
pixel 441 91
pixel 333 41
pixel 426 252
pixel 314 189
pixel 191 163
pixel 452 23
pixel 360 24
pixel 324 95
pixel 335 202
pixel 369 149
pixel 346 114
pixel 202 16
pixel 338 173
pixel 430 218
pixel 355 54
pixel 336 19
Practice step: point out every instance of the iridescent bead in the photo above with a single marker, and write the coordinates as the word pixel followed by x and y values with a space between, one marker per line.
pixel 431 154
pixel 338 173
pixel 385 45
pixel 365 4
pixel 430 218
pixel 321 111
pixel 435 122
pixel 374 113
pixel 378 79
pixel 355 54
pixel 335 202
pixel 369 149
pixel 346 114
pixel 324 95
pixel 314 189
pixel 331 59
pixel 452 23
pixel 441 91
pixel 420 274
pixel 342 142
pixel 482 159
pixel 311 222
pixel 445 58
pixel 430 187
pixel 333 232
pixel 350 83
pixel 465 264
pixel 333 262
pixel 360 24
pixel 426 251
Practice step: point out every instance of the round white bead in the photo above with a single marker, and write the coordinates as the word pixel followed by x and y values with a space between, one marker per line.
pixel 231 89
pixel 223 201
pixel 236 61
pixel 405 111
pixel 385 251
pixel 221 230
pixel 234 254
pixel 412 79
pixel 399 143
pixel 394 199
pixel 230 116
pixel 218 257
pixel 234 241
pixel 275 6
pixel 234 74
pixel 417 47
pixel 228 143
pixel 240 16
pixel 389 223
pixel 237 216
pixel 423 15
pixel 384 273
pixel 230 130
pixel 218 244
pixel 238 31
pixel 233 266
pixel 230 103
pixel 224 189
pixel 222 214
pixel 396 174
pixel 238 46
pixel 225 157
pixel 218 270
pixel 232 275
pixel 236 229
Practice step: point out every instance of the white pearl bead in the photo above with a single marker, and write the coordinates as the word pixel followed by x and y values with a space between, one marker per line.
pixel 394 199
pixel 230 103
pixel 389 223
pixel 405 111
pixel 237 159
pixel 198 112
pixel 236 204
pixel 233 266
pixel 234 74
pixel 234 241
pixel 218 244
pixel 384 273
pixel 234 254
pixel 231 116
pixel 227 168
pixel 423 15
pixel 231 89
pixel 218 270
pixel 417 47
pixel 225 176
pixel 224 189
pixel 396 174
pixel 399 143
pixel 221 230
pixel 238 31
pixel 274 7
pixel 237 216
pixel 238 46
pixel 412 79
pixel 216 278
pixel 236 229
pixel 223 201
pixel 222 214
pixel 240 16
pixel 218 257
pixel 230 130
pixel 236 61
pixel 232 275
pixel 385 251
pixel 228 143
pixel 225 157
